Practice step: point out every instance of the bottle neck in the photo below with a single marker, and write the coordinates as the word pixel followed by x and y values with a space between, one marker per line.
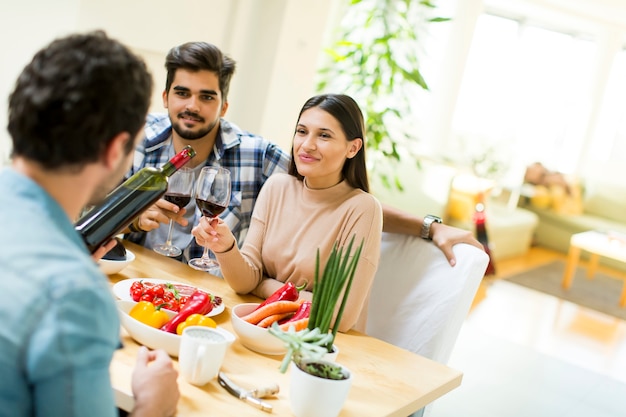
pixel 178 160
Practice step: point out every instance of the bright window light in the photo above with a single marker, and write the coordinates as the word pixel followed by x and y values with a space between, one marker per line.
pixel 526 89
pixel 611 126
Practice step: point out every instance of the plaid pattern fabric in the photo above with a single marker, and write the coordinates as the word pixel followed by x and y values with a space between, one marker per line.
pixel 251 159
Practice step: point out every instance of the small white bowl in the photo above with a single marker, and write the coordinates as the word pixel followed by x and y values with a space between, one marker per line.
pixel 255 338
pixel 110 267
pixel 151 337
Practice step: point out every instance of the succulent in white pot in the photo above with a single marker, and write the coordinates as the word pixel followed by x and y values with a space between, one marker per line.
pixel 320 387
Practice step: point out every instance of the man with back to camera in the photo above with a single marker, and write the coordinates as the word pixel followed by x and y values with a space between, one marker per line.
pixel 75 115
pixel 195 96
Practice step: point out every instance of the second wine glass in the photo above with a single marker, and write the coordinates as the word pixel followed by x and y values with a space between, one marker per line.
pixel 179 190
pixel 212 198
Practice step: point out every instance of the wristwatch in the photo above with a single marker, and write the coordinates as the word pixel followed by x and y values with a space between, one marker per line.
pixel 428 220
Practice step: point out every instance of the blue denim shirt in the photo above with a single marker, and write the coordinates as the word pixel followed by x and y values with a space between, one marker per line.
pixel 60 325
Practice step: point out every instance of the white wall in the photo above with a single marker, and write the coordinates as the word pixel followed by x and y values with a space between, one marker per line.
pixel 27 25
pixel 276 44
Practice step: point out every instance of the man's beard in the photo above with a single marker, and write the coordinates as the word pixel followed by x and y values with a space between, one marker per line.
pixel 188 134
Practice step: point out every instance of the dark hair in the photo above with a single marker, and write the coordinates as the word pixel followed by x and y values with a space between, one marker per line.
pixel 196 56
pixel 348 114
pixel 74 97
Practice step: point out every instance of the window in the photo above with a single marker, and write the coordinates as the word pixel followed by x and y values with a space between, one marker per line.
pixel 526 90
pixel 611 127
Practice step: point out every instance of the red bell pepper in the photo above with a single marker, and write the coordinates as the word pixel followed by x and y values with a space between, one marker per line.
pixel 303 312
pixel 288 292
pixel 198 303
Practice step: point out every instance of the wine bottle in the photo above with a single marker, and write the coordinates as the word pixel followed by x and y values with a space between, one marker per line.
pixel 481 232
pixel 128 200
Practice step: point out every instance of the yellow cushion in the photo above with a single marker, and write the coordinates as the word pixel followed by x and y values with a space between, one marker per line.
pixel 541 197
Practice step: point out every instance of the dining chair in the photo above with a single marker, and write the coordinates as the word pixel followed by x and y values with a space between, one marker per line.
pixel 418 301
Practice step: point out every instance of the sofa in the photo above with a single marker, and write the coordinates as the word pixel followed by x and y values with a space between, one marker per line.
pixel 601 207
pixel 509 228
pixel 431 189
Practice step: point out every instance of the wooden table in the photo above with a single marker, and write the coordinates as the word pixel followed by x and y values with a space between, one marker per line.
pixel 597 244
pixel 388 381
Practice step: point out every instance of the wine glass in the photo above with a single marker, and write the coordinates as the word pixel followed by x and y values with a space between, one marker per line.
pixel 179 190
pixel 212 198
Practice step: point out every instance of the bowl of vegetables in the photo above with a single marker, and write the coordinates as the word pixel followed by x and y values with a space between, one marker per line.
pixel 250 322
pixel 149 325
pixel 252 336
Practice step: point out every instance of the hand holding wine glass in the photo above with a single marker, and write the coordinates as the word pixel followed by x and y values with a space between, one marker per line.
pixel 212 198
pixel 179 192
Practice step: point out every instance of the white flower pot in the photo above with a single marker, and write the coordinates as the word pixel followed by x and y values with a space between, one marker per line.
pixel 312 396
pixel 331 356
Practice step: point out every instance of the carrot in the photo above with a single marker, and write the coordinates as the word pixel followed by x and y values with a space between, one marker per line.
pixel 298 324
pixel 276 307
pixel 267 321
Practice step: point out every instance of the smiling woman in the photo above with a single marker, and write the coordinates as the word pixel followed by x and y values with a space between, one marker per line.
pixel 325 196
pixel 320 148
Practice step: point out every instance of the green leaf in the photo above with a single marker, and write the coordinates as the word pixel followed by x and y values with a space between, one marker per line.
pixel 375 59
pixel 336 279
pixel 318 338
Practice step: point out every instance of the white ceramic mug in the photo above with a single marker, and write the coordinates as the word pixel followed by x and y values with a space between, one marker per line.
pixel 201 353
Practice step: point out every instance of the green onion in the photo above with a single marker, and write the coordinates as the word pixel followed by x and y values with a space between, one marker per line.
pixel 337 276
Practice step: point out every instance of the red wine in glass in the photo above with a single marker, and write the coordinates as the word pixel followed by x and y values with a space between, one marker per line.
pixel 178 192
pixel 212 195
pixel 181 200
pixel 209 208
pixel 127 201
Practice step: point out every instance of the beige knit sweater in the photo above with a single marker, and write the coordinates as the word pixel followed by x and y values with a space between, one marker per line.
pixel 289 223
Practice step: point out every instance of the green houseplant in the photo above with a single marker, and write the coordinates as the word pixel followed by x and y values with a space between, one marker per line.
pixel 375 58
pixel 306 347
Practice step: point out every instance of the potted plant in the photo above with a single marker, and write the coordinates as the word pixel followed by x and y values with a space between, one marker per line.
pixel 314 378
pixel 318 338
pixel 375 56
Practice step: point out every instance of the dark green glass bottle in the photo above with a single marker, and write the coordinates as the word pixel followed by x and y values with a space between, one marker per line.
pixel 128 200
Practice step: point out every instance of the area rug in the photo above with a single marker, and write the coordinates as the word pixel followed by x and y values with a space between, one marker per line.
pixel 601 293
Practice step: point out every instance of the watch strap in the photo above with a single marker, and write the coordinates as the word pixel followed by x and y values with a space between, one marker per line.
pixel 429 219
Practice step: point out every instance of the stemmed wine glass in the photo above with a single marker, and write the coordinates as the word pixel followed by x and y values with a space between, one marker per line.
pixel 179 190
pixel 212 198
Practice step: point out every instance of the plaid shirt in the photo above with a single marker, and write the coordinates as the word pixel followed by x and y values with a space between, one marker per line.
pixel 250 159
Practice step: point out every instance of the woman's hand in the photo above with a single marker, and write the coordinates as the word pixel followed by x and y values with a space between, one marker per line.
pixel 214 234
pixel 445 237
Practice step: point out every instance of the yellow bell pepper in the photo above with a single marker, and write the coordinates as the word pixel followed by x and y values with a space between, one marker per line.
pixel 147 313
pixel 195 320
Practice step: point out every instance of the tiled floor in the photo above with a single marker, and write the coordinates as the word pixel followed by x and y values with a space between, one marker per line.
pixel 524 353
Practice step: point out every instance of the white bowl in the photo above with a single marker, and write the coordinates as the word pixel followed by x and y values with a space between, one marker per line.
pixel 254 337
pixel 151 337
pixel 110 267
